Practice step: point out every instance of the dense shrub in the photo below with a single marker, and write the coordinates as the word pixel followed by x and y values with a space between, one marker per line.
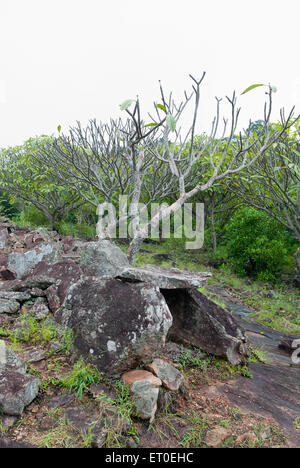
pixel 7 208
pixel 257 245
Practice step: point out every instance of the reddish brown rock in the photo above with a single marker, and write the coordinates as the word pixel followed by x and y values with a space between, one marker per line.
pixel 133 376
pixel 53 298
pixel 61 274
pixel 7 274
pixel 144 388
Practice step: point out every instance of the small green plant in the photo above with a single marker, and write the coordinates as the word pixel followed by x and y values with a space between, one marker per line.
pixel 257 355
pixel 80 379
pixel 193 438
pixel 35 331
pixel 189 358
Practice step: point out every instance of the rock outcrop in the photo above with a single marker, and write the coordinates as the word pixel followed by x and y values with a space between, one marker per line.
pixel 117 325
pixel 165 278
pixel 102 258
pixel 120 315
pixel 201 322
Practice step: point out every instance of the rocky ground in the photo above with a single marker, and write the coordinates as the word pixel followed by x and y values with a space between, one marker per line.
pixel 153 389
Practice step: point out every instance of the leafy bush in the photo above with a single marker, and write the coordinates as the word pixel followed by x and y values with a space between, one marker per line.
pixel 7 207
pixel 256 244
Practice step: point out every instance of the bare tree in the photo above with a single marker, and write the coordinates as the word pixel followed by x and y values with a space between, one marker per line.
pixel 149 161
pixel 239 153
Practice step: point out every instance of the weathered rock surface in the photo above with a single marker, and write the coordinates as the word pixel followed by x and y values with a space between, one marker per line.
pixel 144 388
pixel 170 376
pixel 165 278
pixel 3 238
pixel 35 354
pixel 101 258
pixel 9 360
pixel 216 437
pixel 17 296
pixel 203 323
pixel 116 325
pixel 23 262
pixel 40 310
pixel 6 442
pixel 9 306
pixel 60 276
pixel 17 390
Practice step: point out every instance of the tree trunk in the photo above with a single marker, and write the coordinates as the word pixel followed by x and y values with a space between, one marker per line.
pixel 213 230
pixel 134 248
pixel 297 263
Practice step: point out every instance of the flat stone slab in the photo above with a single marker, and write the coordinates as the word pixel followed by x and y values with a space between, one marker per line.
pixel 164 277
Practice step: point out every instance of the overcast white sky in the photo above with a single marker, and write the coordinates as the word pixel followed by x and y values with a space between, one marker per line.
pixel 68 60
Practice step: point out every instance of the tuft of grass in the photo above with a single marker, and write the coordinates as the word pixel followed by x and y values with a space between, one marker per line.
pixel 81 378
pixel 193 438
pixel 38 332
pixel 190 358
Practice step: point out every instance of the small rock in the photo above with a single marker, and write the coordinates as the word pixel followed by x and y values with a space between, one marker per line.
pixel 9 306
pixel 266 433
pixel 40 310
pixel 37 292
pixel 7 421
pixel 171 377
pixel 17 296
pixel 34 354
pixel 17 391
pixel 53 298
pixel 7 274
pixel 215 437
pixel 246 437
pixel 9 360
pixel 144 388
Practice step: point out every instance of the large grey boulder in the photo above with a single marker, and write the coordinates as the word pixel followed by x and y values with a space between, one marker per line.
pixel 117 325
pixel 164 277
pixel 201 322
pixel 101 258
